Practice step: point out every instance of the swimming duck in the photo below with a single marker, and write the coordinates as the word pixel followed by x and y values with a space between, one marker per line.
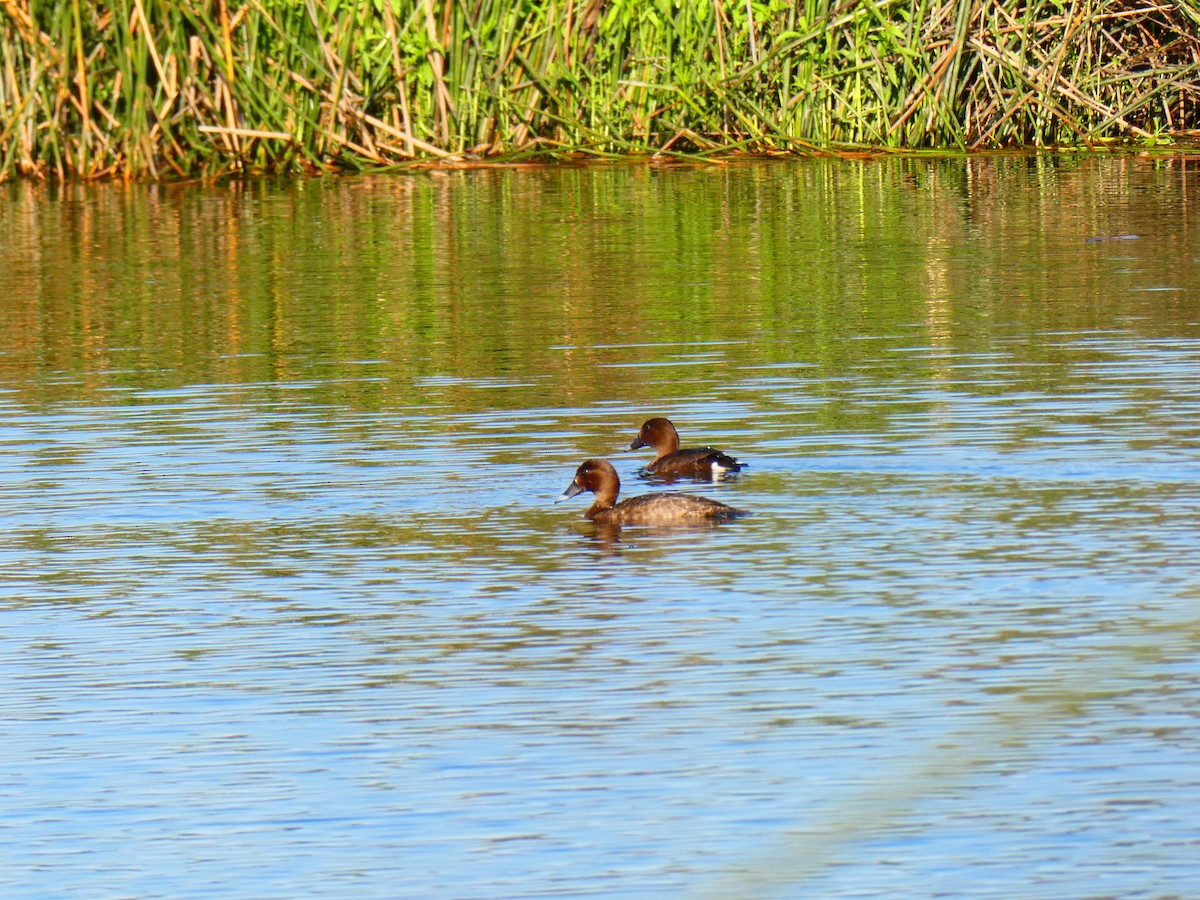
pixel 599 477
pixel 671 462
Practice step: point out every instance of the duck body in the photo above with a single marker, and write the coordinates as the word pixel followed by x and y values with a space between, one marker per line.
pixel 698 462
pixel 599 477
pixel 671 462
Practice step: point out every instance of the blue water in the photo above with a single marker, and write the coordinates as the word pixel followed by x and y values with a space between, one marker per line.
pixel 316 627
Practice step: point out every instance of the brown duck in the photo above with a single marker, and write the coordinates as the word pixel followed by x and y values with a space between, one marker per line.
pixel 599 477
pixel 671 462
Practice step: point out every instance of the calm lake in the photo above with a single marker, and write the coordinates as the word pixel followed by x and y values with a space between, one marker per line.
pixel 287 608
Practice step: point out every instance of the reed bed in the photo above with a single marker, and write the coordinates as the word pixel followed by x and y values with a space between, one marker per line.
pixel 204 88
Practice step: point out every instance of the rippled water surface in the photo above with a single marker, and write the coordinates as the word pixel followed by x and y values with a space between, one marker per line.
pixel 288 609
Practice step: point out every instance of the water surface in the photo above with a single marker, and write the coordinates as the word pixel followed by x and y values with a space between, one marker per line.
pixel 288 609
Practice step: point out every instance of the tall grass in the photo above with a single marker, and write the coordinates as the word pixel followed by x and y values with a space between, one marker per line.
pixel 185 88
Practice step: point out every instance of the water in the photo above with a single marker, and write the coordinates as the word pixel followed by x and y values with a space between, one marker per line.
pixel 289 610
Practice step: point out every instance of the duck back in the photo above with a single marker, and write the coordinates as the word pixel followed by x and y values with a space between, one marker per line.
pixel 666 509
pixel 700 462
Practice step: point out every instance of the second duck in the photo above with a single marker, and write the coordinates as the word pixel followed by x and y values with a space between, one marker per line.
pixel 671 462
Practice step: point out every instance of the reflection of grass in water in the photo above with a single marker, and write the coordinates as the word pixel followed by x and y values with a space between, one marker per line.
pixel 473 294
pixel 946 764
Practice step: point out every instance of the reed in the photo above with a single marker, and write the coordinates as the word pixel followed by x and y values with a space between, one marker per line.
pixel 203 88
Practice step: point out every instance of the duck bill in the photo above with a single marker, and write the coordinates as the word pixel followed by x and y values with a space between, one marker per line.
pixel 637 444
pixel 572 489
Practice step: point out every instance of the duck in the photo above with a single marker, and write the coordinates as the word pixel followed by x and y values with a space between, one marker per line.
pixel 671 462
pixel 599 477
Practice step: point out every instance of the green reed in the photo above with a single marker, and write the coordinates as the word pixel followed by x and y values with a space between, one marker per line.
pixel 186 88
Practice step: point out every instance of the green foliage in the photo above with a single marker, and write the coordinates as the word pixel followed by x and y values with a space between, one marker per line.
pixel 186 88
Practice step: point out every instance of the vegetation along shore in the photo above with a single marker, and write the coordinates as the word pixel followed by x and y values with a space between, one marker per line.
pixel 203 88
